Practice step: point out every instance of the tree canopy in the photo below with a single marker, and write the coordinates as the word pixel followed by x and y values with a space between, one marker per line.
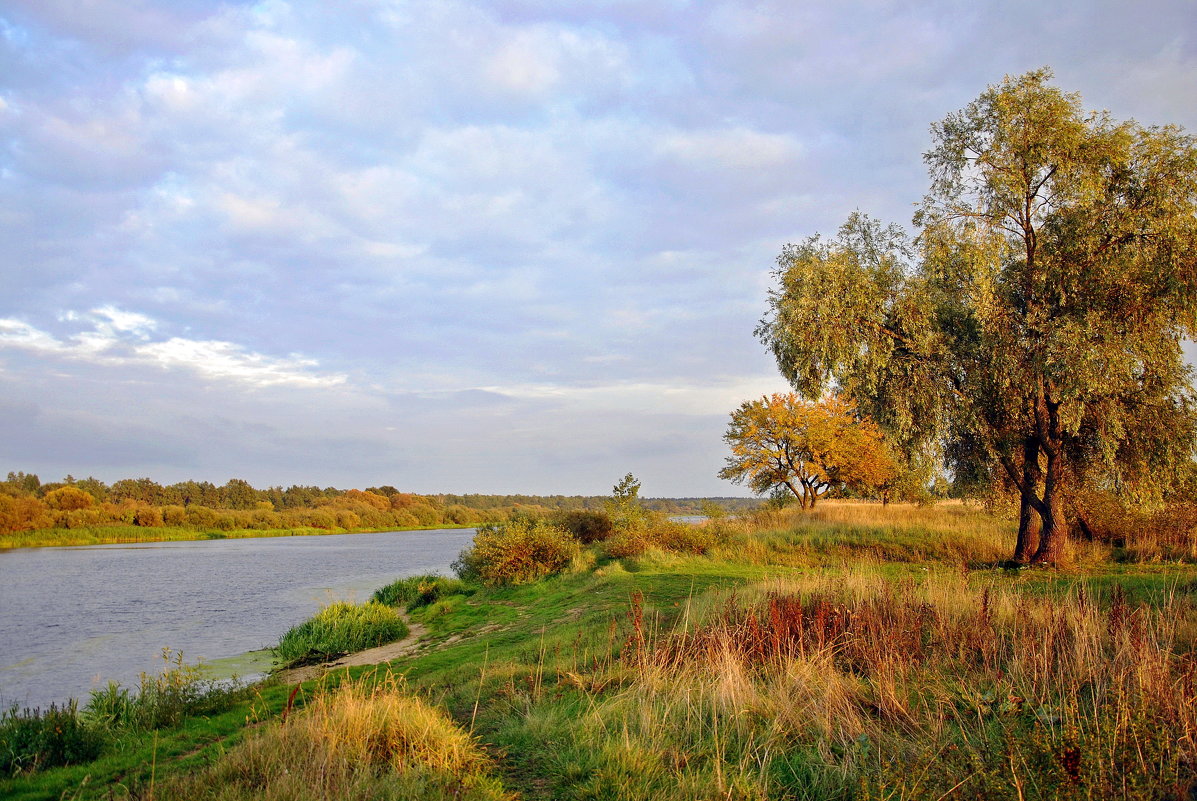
pixel 1031 331
pixel 807 448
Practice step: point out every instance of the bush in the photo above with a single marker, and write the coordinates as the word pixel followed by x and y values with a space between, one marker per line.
pixel 518 551
pixel 1168 532
pixel 587 526
pixel 663 534
pixel 147 516
pixel 319 518
pixel 339 629
pixel 419 591
pixel 68 499
pixel 201 516
pixel 628 542
pixel 174 515
pixel 32 740
pixel 684 538
pixel 23 514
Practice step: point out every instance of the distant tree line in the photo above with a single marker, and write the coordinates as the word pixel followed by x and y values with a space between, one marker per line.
pixel 27 504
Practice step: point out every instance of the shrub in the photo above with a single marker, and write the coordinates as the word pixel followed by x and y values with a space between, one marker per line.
pixel 664 534
pixel 225 522
pixel 338 629
pixel 586 525
pixel 201 516
pixel 460 515
pixel 684 538
pixel 518 551
pixel 425 515
pixel 418 591
pixel 319 518
pixel 174 515
pixel 628 542
pixel 34 739
pixel 1168 532
pixel 406 520
pixel 147 516
pixel 22 514
pixel 67 499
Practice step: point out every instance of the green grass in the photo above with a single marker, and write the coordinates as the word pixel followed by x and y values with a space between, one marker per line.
pixel 631 678
pixel 338 629
pixel 415 592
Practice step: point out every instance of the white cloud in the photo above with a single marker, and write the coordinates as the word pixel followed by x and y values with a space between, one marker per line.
pixel 225 360
pixel 717 396
pixel 523 65
pixel 125 322
pixel 732 149
pixel 16 334
pixel 122 339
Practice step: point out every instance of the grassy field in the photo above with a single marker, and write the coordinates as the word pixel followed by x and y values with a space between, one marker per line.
pixel 855 652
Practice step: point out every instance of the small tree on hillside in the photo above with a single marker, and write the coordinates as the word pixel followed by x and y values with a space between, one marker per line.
pixel 624 505
pixel 807 448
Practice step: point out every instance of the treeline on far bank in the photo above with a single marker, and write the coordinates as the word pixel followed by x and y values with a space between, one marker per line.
pixel 27 504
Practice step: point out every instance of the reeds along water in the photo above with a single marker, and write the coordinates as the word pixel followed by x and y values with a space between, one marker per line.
pixel 899 689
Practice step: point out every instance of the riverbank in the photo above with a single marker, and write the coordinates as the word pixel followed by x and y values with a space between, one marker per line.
pixel 113 535
pixel 848 653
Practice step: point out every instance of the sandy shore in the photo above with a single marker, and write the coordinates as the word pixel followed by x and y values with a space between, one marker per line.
pixel 370 656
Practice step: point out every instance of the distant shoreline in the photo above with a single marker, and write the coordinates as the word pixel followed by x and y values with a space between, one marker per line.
pixel 117 535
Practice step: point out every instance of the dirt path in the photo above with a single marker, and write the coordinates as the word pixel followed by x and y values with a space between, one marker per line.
pixel 370 656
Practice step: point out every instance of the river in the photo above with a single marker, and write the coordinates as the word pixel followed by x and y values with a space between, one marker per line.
pixel 71 619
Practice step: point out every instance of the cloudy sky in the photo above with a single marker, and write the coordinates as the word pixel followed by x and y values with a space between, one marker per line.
pixel 508 246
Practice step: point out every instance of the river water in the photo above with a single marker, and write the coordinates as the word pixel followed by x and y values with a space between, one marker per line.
pixel 71 619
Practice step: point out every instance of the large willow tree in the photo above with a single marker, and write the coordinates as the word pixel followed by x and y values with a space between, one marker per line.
pixel 1031 332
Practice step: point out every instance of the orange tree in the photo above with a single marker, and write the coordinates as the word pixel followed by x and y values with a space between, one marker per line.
pixel 808 448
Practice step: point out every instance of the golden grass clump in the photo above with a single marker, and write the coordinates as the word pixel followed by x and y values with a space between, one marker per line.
pixel 357 741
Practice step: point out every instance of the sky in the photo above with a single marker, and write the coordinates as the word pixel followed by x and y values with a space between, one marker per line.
pixel 500 247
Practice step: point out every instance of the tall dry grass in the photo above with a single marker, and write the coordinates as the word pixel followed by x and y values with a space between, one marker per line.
pixel 357 741
pixel 845 531
pixel 826 687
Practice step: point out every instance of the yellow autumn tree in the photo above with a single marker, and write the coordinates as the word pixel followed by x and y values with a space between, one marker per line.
pixel 807 447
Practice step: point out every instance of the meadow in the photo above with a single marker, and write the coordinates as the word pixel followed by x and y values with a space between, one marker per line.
pixel 854 652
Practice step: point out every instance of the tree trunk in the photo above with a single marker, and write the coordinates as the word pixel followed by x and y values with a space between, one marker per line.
pixel 1028 518
pixel 1055 525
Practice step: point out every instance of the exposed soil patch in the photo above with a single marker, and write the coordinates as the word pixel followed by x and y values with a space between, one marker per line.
pixel 370 656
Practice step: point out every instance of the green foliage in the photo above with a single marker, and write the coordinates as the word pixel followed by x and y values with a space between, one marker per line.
pixel 518 551
pixel 162 699
pixel 662 535
pixel 624 507
pixel 586 525
pixel 33 739
pixel 416 592
pixel 339 629
pixel 1033 337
